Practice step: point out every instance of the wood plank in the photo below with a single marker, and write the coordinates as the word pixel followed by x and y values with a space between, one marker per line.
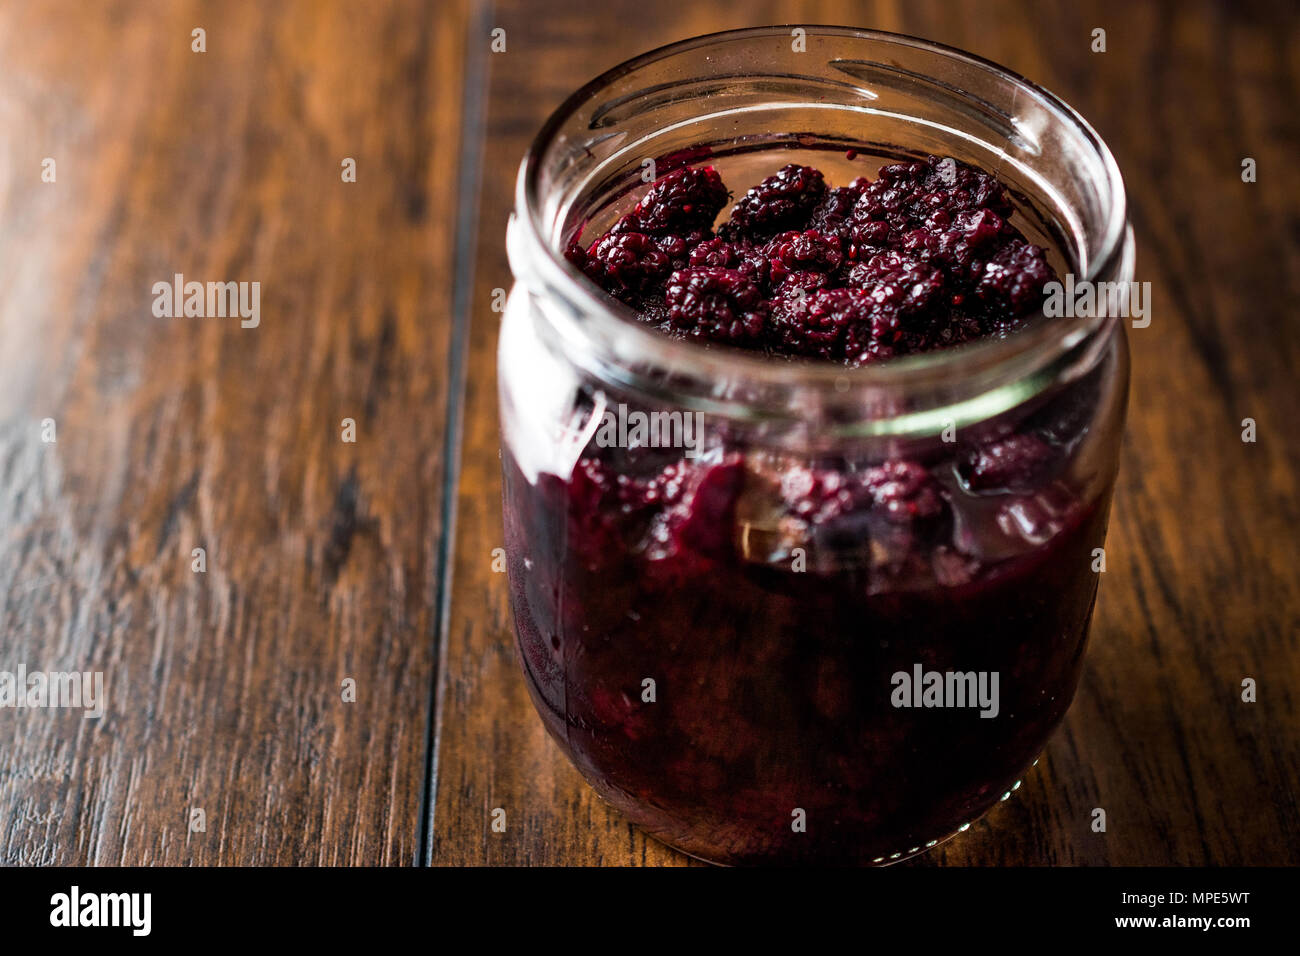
pixel 224 687
pixel 1201 589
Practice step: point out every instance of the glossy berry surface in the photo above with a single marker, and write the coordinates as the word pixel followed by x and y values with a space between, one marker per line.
pixel 1016 462
pixel 684 201
pixel 784 200
pixel 627 264
pixel 724 305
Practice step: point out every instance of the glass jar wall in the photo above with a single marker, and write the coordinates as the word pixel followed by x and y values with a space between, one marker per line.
pixel 736 581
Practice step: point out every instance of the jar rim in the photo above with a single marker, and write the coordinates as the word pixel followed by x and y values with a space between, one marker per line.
pixel 1032 357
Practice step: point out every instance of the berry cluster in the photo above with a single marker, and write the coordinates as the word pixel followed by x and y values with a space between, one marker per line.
pixel 921 258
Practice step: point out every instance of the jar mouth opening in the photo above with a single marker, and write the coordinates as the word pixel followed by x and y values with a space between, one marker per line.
pixel 1032 356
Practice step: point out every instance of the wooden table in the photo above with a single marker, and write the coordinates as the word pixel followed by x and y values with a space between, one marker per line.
pixel 328 560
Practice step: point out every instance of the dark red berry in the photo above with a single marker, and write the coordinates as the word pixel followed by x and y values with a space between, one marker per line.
pixel 892 504
pixel 678 248
pixel 899 283
pixel 802 252
pixel 717 253
pixel 905 195
pixel 864 238
pixel 732 255
pixel 819 324
pixel 960 244
pixel 904 491
pixel 706 525
pixel 627 265
pixel 833 212
pixel 1015 463
pixel 819 496
pixel 684 201
pixel 576 254
pixel 783 201
pixel 1012 282
pixel 723 305
pixel 805 280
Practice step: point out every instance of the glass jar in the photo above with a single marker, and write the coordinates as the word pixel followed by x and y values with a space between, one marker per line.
pixel 744 680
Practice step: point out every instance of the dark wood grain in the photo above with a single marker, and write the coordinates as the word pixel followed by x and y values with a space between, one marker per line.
pixel 1201 588
pixel 224 687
